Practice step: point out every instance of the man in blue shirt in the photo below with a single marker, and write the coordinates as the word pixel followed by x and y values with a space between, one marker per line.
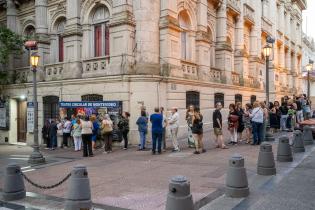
pixel 157 130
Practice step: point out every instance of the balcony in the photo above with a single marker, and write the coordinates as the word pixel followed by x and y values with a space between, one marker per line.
pixel 189 69
pixel 23 75
pixel 266 26
pixel 249 82
pixel 98 66
pixel 249 15
pixel 235 78
pixel 234 6
pixel 53 71
pixel 215 75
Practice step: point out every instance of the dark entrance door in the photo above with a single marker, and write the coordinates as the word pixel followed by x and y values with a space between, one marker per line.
pixel 21 121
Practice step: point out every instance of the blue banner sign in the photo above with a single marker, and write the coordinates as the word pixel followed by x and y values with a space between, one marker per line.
pixel 89 104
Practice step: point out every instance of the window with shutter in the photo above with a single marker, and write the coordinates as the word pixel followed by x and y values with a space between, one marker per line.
pixel 106 40
pixel 60 47
pixel 98 40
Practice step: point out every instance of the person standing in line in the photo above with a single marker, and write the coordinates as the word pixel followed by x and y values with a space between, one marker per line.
pixel 308 109
pixel 240 127
pixel 123 126
pixel 157 129
pixel 66 129
pixel 189 115
pixel 107 133
pixel 217 126
pixel 77 136
pixel 86 132
pixel 247 122
pixel 233 124
pixel 142 123
pixel 164 124
pixel 299 111
pixel 45 134
pixel 284 115
pixel 173 123
pixel 266 119
pixel 53 128
pixel 96 127
pixel 257 117
pixel 197 130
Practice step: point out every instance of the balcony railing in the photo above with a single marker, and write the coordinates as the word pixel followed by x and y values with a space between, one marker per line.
pixel 235 78
pixel 249 14
pixel 53 71
pixel 249 82
pixel 95 66
pixel 23 75
pixel 189 68
pixel 215 75
pixel 266 25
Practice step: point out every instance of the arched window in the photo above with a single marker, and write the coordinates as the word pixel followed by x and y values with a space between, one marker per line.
pixel 60 28
pixel 51 107
pixel 29 31
pixel 100 18
pixel 185 25
pixel 219 97
pixel 92 97
pixel 238 98
pixel 192 98
pixel 252 99
pixel 212 48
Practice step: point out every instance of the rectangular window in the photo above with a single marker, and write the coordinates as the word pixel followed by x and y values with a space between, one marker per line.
pixel 98 40
pixel 60 47
pixel 106 40
pixel 192 98
pixel 219 97
pixel 183 45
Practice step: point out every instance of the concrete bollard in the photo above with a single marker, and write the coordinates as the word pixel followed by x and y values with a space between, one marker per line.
pixel 284 153
pixel 298 143
pixel 236 184
pixel 14 188
pixel 179 197
pixel 269 136
pixel 79 193
pixel 307 135
pixel 266 162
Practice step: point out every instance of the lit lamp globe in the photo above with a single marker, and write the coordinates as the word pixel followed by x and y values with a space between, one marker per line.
pixel 309 67
pixel 267 50
pixel 34 59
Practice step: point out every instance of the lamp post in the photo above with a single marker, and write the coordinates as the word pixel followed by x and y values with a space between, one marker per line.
pixel 36 157
pixel 267 51
pixel 309 68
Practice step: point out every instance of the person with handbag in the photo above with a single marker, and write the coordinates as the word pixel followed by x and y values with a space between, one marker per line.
pixel 107 133
pixel 197 131
pixel 257 118
pixel 189 114
pixel 142 123
pixel 233 120
pixel 86 132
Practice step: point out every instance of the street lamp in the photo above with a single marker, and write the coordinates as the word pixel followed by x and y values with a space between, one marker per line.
pixel 267 52
pixel 309 68
pixel 36 157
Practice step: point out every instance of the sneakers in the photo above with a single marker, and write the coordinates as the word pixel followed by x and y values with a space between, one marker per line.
pixel 176 150
pixel 196 152
pixel 124 148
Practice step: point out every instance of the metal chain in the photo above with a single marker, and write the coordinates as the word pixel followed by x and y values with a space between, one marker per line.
pixel 45 187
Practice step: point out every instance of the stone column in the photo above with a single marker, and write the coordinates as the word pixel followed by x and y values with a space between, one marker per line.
pixel 72 41
pixel 239 46
pixel 221 23
pixel 41 16
pixel 11 16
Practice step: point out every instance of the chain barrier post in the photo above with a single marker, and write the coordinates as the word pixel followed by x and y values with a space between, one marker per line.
pixel 266 162
pixel 79 192
pixel 307 135
pixel 14 188
pixel 298 143
pixel 179 196
pixel 284 152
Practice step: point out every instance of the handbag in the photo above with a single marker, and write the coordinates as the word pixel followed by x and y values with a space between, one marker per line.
pixel 234 118
pixel 106 128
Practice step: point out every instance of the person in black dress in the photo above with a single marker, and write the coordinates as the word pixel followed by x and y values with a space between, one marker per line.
pixel 241 126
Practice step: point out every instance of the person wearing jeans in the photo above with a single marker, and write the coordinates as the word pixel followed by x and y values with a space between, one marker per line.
pixel 173 122
pixel 284 116
pixel 87 131
pixel 257 117
pixel 53 134
pixel 157 130
pixel 77 138
pixel 142 123
pixel 66 132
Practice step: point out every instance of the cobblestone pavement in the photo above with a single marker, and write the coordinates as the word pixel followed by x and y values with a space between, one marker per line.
pixel 137 180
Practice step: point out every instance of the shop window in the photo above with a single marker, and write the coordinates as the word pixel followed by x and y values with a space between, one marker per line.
pixel 92 97
pixel 238 98
pixel 192 98
pixel 51 107
pixel 219 97
pixel 252 99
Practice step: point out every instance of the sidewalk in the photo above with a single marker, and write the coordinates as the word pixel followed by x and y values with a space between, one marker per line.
pixel 137 180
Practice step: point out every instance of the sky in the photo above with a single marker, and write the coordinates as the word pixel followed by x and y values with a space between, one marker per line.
pixel 309 19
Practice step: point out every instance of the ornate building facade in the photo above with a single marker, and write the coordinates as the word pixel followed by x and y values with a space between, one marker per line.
pixel 152 53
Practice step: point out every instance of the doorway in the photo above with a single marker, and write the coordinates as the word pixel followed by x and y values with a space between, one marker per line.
pixel 21 121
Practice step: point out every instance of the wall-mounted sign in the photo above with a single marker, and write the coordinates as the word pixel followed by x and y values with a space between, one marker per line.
pixel 30 117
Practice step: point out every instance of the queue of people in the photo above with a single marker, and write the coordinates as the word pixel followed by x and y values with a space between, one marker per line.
pixel 246 124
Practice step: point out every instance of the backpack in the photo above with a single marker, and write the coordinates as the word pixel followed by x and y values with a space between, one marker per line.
pixel 106 128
